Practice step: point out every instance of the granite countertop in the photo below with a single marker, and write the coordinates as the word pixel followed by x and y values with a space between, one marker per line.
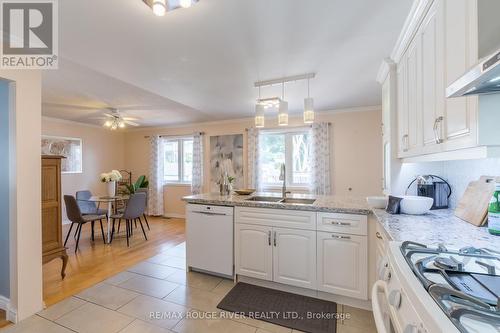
pixel 330 204
pixel 439 226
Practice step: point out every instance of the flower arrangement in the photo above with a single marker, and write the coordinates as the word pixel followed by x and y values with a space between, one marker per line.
pixel 112 176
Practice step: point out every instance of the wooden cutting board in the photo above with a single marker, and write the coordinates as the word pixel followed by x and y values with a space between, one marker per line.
pixel 473 206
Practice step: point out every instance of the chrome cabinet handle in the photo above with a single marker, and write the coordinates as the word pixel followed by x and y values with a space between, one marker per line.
pixel 379 236
pixel 341 223
pixel 437 130
pixel 209 213
pixel 269 237
pixel 341 237
pixel 405 140
pixel 275 238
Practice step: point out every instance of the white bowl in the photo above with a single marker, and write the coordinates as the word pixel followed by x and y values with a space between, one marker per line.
pixel 414 205
pixel 377 202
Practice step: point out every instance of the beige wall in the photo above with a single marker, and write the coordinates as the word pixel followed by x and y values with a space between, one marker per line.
pixel 356 152
pixel 25 193
pixel 103 151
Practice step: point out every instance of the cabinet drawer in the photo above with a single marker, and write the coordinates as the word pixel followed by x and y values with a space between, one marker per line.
pixel 276 217
pixel 342 223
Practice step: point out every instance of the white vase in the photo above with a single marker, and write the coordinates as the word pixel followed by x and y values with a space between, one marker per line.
pixel 111 188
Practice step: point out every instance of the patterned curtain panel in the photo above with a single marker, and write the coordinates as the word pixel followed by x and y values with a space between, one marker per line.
pixel 197 177
pixel 156 157
pixel 320 159
pixel 253 159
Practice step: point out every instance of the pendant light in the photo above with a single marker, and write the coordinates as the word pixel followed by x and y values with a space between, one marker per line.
pixel 283 109
pixel 159 7
pixel 308 107
pixel 259 113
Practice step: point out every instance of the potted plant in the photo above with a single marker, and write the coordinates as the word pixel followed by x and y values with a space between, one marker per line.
pixel 110 178
pixel 141 182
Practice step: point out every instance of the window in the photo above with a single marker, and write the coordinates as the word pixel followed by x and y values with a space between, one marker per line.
pixel 291 148
pixel 178 160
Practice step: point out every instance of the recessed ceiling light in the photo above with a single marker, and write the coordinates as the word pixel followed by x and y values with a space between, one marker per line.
pixel 185 3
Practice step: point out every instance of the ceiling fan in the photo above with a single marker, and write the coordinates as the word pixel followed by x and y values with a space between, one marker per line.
pixel 115 120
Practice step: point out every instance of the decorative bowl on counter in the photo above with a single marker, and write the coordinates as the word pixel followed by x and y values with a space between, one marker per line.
pixel 377 202
pixel 246 191
pixel 414 205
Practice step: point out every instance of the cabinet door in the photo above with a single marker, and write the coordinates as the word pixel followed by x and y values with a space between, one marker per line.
pixel 294 257
pixel 461 53
pixel 342 264
pixel 433 88
pixel 414 83
pixel 253 251
pixel 402 112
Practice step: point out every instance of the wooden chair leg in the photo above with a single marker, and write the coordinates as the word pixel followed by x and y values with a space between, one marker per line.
pixel 146 219
pixel 78 237
pixel 102 232
pixel 69 232
pixel 142 227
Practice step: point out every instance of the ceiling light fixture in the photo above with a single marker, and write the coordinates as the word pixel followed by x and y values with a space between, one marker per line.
pixel 280 103
pixel 308 106
pixel 283 109
pixel 159 7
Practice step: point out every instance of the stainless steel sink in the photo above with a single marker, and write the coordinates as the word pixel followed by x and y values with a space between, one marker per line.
pixel 298 201
pixel 264 199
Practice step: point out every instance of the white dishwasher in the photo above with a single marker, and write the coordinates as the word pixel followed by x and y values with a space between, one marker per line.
pixel 209 239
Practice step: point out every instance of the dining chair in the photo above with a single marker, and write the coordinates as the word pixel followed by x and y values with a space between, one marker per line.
pixel 76 217
pixel 88 207
pixel 146 191
pixel 134 210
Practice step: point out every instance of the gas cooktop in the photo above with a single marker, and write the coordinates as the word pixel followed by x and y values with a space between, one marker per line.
pixel 465 283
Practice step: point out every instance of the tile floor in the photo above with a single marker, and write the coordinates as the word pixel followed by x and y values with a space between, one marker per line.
pixel 159 285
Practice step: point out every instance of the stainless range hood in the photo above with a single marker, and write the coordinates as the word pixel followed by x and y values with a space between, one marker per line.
pixel 484 78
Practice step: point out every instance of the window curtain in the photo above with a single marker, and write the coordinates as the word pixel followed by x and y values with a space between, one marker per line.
pixel 320 159
pixel 253 159
pixel 156 158
pixel 197 176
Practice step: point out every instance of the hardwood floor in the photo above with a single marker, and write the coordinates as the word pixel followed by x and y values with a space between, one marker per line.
pixel 3 322
pixel 96 261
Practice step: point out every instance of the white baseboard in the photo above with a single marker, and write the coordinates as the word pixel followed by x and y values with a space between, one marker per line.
pixel 11 314
pixel 175 215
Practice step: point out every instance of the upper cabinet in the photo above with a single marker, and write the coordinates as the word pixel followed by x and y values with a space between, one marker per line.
pixel 438 45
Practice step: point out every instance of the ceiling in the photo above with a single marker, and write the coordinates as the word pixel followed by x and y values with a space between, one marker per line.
pixel 200 63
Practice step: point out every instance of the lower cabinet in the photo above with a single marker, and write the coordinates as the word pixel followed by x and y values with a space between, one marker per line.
pixel 294 257
pixel 253 251
pixel 276 254
pixel 342 264
pixel 332 262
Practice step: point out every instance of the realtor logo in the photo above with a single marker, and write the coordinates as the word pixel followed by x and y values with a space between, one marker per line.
pixel 29 34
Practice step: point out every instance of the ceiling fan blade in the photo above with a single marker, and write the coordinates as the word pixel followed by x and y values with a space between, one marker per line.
pixel 130 118
pixel 73 106
pixel 131 123
pixel 109 115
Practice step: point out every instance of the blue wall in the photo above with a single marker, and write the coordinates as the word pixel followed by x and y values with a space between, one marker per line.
pixel 4 190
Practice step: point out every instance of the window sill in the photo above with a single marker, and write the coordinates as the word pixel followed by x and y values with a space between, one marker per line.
pixel 179 184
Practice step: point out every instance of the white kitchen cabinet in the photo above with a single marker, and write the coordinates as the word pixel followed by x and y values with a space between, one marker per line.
pixel 253 251
pixel 402 110
pixel 431 34
pixel 294 257
pixel 414 83
pixel 342 264
pixel 461 119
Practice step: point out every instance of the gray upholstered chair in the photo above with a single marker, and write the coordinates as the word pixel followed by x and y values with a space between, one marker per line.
pixel 135 209
pixel 146 191
pixel 88 207
pixel 76 217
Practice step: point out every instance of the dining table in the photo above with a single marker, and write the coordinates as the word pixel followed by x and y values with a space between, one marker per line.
pixel 111 202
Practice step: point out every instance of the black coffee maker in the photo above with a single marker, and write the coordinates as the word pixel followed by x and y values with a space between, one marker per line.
pixel 434 187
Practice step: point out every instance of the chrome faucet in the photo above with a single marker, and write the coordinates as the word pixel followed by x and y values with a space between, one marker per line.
pixel 284 192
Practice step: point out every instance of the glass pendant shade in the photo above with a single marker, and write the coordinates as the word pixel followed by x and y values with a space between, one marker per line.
pixel 185 3
pixel 283 114
pixel 308 110
pixel 259 115
pixel 159 7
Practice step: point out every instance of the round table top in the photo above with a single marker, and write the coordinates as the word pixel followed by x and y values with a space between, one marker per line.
pixel 96 198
